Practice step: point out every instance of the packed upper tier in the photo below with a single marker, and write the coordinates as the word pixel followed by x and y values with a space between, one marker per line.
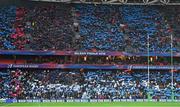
pixel 101 28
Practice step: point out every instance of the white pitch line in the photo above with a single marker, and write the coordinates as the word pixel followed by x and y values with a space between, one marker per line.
pixel 83 106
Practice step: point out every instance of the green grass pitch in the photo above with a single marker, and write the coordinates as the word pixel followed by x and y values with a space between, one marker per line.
pixel 95 104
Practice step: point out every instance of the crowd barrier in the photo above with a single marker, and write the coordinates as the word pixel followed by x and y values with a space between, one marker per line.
pixel 88 66
pixel 90 100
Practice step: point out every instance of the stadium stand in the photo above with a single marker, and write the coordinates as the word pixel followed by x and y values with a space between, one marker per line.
pixel 37 28
pixel 101 28
pixel 7 18
pixel 47 29
pixel 69 28
pixel 144 21
pixel 98 84
pixel 117 28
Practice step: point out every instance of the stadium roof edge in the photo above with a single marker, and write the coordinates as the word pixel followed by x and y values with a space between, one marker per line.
pixel 114 2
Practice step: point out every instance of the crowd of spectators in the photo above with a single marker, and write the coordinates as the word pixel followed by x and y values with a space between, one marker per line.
pixel 49 27
pixel 46 27
pixel 144 22
pixel 12 35
pixel 88 84
pixel 124 28
pixel 7 18
pixel 19 36
pixel 10 84
pixel 173 17
pixel 101 28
